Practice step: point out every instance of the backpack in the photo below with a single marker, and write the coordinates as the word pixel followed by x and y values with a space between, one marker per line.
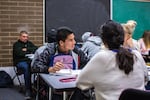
pixel 67 60
pixel 5 80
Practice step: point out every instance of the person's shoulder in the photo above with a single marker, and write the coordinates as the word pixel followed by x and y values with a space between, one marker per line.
pixel 41 48
pixel 76 49
pixel 51 45
pixel 103 56
pixel 87 43
pixel 104 53
pixel 95 39
pixel 134 41
pixel 140 40
pixel 30 42
pixel 16 42
pixel 137 53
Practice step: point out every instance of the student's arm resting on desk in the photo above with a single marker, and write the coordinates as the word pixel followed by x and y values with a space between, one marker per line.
pixel 58 66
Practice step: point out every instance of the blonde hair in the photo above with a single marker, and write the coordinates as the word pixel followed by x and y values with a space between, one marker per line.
pixel 146 38
pixel 132 23
pixel 129 27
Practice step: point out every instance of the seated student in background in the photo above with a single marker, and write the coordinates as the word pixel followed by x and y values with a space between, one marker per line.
pixel 20 48
pixel 51 38
pixel 113 69
pixel 144 42
pixel 91 44
pixel 65 45
pixel 129 42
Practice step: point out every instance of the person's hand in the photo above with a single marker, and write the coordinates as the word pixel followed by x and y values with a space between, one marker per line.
pixel 58 66
pixel 24 49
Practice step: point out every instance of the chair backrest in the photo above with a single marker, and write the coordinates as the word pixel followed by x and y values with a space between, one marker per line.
pixel 134 94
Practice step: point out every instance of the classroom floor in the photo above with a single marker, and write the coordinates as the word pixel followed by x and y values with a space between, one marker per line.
pixel 12 93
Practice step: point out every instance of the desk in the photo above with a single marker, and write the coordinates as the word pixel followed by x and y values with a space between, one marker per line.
pixel 146 58
pixel 54 83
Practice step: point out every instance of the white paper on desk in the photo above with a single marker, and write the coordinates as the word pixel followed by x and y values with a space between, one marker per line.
pixel 75 72
pixel 67 72
pixel 62 72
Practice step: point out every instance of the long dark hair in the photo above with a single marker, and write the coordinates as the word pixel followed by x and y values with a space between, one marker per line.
pixel 112 35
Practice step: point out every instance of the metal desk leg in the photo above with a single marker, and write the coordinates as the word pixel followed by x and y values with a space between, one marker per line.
pixel 50 93
pixel 64 95
pixel 37 95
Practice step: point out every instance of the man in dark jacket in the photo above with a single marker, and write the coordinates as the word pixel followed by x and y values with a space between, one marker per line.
pixel 65 44
pixel 21 48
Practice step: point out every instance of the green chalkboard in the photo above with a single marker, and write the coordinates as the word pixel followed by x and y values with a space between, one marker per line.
pixel 123 10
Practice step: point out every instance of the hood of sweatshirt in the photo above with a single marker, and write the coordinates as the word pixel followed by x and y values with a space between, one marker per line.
pixel 95 39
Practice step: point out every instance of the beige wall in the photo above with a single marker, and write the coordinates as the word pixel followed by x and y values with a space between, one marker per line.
pixel 17 15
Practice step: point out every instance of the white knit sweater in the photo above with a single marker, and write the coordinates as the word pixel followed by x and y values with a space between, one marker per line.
pixel 109 81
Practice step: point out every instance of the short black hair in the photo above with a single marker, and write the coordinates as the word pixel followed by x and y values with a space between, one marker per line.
pixel 62 33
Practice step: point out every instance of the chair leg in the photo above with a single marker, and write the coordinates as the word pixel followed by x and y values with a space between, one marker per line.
pixel 35 85
pixel 17 76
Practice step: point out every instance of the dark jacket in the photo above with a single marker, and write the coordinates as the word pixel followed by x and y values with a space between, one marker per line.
pixel 18 54
pixel 42 63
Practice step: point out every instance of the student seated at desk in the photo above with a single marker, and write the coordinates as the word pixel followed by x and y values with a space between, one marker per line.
pixel 21 48
pixel 65 45
pixel 145 45
pixel 91 44
pixel 145 42
pixel 129 42
pixel 113 69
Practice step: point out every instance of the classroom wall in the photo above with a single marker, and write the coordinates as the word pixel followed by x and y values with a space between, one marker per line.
pixel 124 10
pixel 80 15
pixel 17 15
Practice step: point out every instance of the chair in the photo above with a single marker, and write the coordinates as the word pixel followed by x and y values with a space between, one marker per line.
pixel 18 73
pixel 134 94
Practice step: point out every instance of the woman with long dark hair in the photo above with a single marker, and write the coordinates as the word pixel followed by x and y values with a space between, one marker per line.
pixel 115 68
